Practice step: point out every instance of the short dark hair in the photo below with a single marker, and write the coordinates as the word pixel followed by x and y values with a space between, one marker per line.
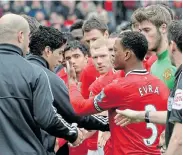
pixel 114 35
pixel 68 36
pixel 33 23
pixel 94 23
pixel 175 33
pixel 136 42
pixel 77 25
pixel 45 36
pixel 77 44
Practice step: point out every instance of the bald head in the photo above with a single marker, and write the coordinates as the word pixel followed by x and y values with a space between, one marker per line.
pixel 10 26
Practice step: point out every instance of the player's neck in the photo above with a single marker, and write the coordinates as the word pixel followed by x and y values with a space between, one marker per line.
pixel 163 46
pixel 136 66
pixel 78 77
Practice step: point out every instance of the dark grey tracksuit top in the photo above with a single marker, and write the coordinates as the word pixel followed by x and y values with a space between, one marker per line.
pixel 62 103
pixel 26 106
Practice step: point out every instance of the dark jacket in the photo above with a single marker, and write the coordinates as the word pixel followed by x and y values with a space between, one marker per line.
pixel 174 113
pixel 26 106
pixel 62 101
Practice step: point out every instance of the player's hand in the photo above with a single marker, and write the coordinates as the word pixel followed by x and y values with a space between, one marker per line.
pixel 79 140
pixel 125 117
pixel 87 134
pixel 70 71
pixel 103 138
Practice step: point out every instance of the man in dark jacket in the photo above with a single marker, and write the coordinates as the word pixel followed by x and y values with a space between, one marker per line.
pixel 45 47
pixel 25 96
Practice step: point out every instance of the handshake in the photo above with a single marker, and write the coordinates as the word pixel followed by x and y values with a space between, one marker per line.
pixel 82 135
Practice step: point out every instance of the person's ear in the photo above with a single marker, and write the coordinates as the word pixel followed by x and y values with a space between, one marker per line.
pixel 128 54
pixel 47 51
pixel 173 47
pixel 163 28
pixel 106 34
pixel 20 37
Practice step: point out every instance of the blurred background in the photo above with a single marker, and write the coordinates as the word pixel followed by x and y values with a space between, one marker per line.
pixel 62 14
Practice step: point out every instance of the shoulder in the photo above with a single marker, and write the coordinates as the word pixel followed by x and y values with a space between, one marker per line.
pixel 114 86
pixel 54 78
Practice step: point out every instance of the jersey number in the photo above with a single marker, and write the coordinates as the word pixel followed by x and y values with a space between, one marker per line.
pixel 149 141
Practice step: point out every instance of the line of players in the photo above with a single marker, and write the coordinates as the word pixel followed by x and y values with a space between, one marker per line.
pixel 111 73
pixel 94 73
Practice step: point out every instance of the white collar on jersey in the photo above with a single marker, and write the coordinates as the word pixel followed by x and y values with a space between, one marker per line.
pixel 139 72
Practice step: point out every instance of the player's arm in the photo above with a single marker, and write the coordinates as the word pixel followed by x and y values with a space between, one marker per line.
pixel 175 144
pixel 103 101
pixel 45 114
pixel 128 116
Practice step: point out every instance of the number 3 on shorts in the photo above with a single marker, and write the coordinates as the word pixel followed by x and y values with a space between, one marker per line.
pixel 149 141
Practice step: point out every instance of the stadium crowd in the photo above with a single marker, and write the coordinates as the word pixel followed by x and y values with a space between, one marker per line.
pixel 62 14
pixel 91 78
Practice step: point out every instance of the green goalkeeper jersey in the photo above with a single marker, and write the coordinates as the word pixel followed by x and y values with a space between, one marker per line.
pixel 164 70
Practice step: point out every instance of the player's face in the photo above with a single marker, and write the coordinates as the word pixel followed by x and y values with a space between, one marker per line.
pixel 152 35
pixel 93 35
pixel 55 58
pixel 77 58
pixel 175 54
pixel 101 59
pixel 119 55
pixel 110 46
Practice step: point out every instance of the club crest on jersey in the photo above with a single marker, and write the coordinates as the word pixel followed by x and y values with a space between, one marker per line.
pixel 167 74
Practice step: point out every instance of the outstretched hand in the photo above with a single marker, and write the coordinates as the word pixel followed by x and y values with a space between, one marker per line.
pixel 79 139
pixel 125 117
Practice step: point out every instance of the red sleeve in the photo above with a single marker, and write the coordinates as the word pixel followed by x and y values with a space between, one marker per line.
pixel 88 76
pixel 81 106
pixel 86 81
pixel 106 99
pixel 63 75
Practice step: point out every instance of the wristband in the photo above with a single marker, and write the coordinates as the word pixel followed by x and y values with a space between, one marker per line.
pixel 147 117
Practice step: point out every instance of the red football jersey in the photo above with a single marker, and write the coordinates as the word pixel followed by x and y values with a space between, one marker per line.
pixel 87 77
pixel 96 88
pixel 79 150
pixel 140 91
pixel 63 75
pixel 104 80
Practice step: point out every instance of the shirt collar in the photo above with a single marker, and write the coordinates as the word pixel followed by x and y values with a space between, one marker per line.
pixel 38 60
pixel 162 55
pixel 137 72
pixel 9 48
